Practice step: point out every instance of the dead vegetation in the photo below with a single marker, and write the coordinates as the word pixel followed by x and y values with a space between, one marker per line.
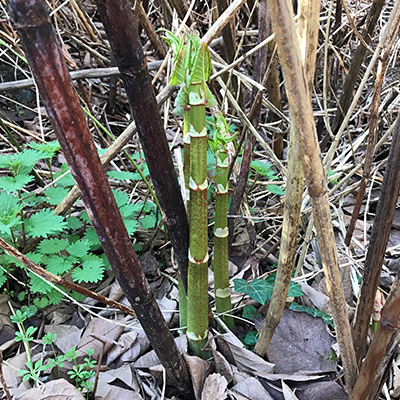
pixel 355 99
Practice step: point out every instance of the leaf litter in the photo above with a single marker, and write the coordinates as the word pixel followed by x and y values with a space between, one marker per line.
pixel 302 363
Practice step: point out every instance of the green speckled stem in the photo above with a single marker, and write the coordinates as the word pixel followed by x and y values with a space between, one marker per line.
pixel 220 263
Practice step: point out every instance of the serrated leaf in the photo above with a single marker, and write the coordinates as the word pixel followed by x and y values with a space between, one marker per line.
pixel 67 180
pixel 44 223
pixel 120 197
pixel 79 248
pixel 55 296
pixel 14 183
pixel 9 208
pixel 55 195
pixel 106 263
pixel 131 226
pixel 21 163
pixel 3 278
pixel 149 206
pixel 92 238
pixel 52 246
pixel 121 175
pixel 84 216
pixel 276 189
pixel 73 223
pixel 60 265
pixel 38 285
pixel 48 148
pixel 131 210
pixel 264 168
pixel 32 201
pixel 148 221
pixel 91 271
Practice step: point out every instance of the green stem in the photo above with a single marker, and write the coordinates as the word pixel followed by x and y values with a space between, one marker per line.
pixel 198 250
pixel 220 263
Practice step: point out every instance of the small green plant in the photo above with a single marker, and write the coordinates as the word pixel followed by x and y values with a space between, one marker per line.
pixel 265 169
pixel 250 312
pixel 69 245
pixel 81 374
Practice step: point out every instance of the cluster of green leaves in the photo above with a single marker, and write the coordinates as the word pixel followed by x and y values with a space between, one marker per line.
pixel 81 374
pixel 264 168
pixel 69 245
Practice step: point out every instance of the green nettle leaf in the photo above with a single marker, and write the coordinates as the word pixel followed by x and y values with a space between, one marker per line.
pixel 55 296
pixel 149 207
pixel 38 285
pixel 275 189
pixel 120 175
pixel 32 201
pixel 54 195
pixel 148 221
pixel 44 223
pixel 67 180
pixel 126 175
pixel 264 168
pixel 60 265
pixel 52 246
pixel 91 237
pixel 9 208
pixel 79 248
pixel 121 198
pixel 21 163
pixel 73 223
pixel 48 148
pixel 14 183
pixel 85 217
pixel 131 210
pixel 91 271
pixel 3 278
pixel 131 226
pixel 106 263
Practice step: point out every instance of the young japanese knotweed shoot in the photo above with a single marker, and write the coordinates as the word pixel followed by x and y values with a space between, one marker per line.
pixel 192 71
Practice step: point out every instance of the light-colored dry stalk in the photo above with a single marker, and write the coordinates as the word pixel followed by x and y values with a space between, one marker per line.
pixel 302 117
pixel 307 29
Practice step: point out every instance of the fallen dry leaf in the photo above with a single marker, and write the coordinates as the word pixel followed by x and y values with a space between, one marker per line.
pixel 214 388
pixel 301 344
pixel 59 389
pixel 252 389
